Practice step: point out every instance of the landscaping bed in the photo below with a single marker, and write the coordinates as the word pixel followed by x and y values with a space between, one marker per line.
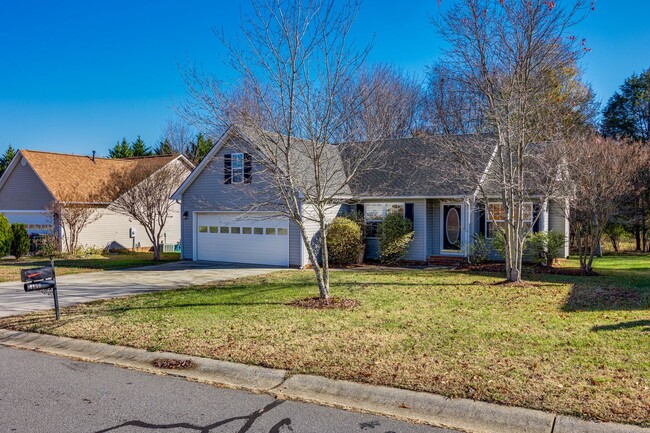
pixel 566 344
pixel 10 268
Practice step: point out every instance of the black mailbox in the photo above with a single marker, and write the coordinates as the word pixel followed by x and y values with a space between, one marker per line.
pixel 36 274
pixel 39 285
pixel 43 279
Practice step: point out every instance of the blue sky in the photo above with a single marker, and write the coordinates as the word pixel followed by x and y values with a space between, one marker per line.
pixel 78 75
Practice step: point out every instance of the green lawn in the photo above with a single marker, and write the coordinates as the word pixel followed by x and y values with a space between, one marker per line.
pixel 573 345
pixel 10 269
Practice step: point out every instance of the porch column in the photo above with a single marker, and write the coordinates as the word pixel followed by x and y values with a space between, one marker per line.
pixel 468 224
pixel 543 217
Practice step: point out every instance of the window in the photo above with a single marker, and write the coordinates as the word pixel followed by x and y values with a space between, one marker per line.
pixel 235 230
pixel 237 167
pixel 374 213
pixel 203 229
pixel 224 229
pixel 496 218
pixel 283 232
pixel 214 229
pixel 247 230
pixel 270 231
pixel 258 230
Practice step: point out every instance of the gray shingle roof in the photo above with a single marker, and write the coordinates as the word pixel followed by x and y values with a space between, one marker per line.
pixel 406 167
pixel 423 167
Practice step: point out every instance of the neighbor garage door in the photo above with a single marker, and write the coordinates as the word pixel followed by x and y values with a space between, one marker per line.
pixel 36 222
pixel 242 238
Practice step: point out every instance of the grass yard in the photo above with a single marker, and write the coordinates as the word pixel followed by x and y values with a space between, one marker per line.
pixel 573 345
pixel 10 269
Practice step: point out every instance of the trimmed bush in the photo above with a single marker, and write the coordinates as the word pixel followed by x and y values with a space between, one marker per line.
pixel 395 236
pixel 545 247
pixel 20 240
pixel 344 241
pixel 6 236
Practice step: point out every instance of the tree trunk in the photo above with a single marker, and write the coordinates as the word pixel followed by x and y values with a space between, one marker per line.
pixel 324 290
pixel 637 236
pixel 322 278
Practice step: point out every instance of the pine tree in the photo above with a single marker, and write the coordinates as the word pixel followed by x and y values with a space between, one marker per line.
pixel 164 148
pixel 138 148
pixel 200 148
pixel 121 150
pixel 6 158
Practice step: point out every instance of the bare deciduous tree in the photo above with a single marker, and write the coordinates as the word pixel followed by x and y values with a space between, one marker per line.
pixel 73 218
pixel 72 215
pixel 298 91
pixel 449 106
pixel 390 103
pixel 602 174
pixel 179 136
pixel 146 197
pixel 507 54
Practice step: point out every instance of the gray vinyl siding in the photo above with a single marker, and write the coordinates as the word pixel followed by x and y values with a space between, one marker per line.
pixel 312 228
pixel 23 190
pixel 558 222
pixel 433 228
pixel 295 245
pixel 416 250
pixel 209 193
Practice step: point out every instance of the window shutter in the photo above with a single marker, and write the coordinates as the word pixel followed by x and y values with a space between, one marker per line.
pixel 536 210
pixel 409 211
pixel 360 209
pixel 248 168
pixel 227 168
pixel 481 219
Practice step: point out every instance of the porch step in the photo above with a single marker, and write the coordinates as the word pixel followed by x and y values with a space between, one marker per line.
pixel 446 261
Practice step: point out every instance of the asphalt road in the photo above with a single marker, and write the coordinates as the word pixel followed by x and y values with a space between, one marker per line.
pixel 43 393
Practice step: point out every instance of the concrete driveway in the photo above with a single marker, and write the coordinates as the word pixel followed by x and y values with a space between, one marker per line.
pixel 78 288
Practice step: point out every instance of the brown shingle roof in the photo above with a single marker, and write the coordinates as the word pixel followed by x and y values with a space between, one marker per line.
pixel 77 178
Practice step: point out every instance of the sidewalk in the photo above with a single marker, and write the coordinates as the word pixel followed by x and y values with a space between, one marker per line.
pixel 467 415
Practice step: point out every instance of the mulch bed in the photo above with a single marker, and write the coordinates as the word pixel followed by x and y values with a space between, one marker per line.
pixel 320 304
pixel 173 364
pixel 538 269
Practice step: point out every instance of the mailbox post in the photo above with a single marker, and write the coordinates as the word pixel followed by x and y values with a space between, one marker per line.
pixel 42 280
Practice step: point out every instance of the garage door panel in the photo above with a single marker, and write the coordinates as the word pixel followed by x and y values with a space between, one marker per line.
pixel 248 238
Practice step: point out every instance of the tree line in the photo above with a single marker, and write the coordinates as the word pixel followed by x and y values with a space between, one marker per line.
pixel 177 139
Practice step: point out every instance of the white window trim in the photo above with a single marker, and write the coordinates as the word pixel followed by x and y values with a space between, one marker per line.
pixel 232 167
pixel 384 213
pixel 488 220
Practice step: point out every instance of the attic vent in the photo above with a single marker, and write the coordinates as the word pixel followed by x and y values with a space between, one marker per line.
pixel 23 162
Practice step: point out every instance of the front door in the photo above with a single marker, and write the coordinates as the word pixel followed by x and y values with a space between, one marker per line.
pixel 451 227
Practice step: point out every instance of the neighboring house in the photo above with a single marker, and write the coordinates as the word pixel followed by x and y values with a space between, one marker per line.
pixel 226 216
pixel 35 180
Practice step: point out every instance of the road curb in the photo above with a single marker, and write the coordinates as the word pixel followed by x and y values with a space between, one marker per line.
pixel 468 415
pixel 228 374
pixel 460 414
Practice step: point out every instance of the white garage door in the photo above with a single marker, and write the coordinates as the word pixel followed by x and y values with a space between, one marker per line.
pixel 242 238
